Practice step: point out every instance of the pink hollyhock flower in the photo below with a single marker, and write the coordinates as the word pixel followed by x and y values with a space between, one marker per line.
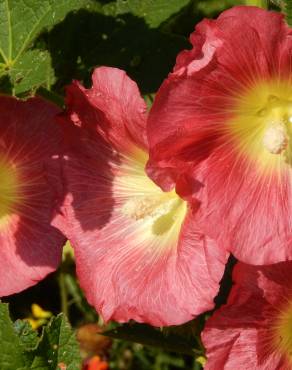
pixel 139 254
pixel 254 329
pixel 30 247
pixel 222 123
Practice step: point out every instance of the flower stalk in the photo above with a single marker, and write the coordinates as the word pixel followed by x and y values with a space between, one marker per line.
pixel 63 293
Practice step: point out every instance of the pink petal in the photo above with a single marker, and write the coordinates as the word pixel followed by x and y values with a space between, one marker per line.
pixel 188 133
pixel 125 272
pixel 133 263
pixel 244 333
pixel 113 106
pixel 29 144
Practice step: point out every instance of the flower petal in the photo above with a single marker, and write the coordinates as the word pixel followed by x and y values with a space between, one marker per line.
pixel 190 131
pixel 131 267
pixel 113 106
pixel 138 252
pixel 223 60
pixel 30 192
pixel 235 338
pixel 253 329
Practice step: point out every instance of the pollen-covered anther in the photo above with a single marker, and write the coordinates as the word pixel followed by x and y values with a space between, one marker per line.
pixel 140 208
pixel 275 139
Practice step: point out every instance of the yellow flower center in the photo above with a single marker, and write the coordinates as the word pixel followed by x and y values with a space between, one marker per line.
pixel 261 124
pixel 8 190
pixel 158 214
pixel 282 331
pixel 161 209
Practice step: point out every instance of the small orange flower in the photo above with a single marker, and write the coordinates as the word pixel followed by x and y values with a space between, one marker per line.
pixel 96 363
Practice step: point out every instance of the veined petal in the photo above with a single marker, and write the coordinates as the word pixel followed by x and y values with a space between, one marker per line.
pixel 139 254
pixel 253 330
pixel 30 192
pixel 224 115
pixel 113 107
pixel 144 257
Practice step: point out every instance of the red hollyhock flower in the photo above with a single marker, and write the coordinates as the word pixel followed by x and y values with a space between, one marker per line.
pixel 254 329
pixel 138 251
pixel 30 247
pixel 222 121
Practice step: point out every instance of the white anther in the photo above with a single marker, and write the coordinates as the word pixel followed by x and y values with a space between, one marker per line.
pixel 275 139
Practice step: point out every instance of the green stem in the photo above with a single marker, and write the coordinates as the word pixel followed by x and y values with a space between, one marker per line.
pixel 259 3
pixel 63 293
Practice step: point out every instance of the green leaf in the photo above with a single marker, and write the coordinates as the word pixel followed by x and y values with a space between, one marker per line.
pixel 57 346
pixel 259 3
pixel 147 335
pixel 288 11
pixel 11 353
pixel 32 70
pixel 21 22
pixel 153 11
pixel 27 336
pixel 211 8
pixel 22 349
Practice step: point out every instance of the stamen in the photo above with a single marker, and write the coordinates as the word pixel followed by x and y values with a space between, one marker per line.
pixel 141 207
pixel 138 208
pixel 275 138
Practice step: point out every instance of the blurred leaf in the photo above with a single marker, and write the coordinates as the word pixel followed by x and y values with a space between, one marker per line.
pixel 165 359
pixel 259 3
pixel 78 298
pixel 153 11
pixel 288 11
pixel 279 3
pixel 150 336
pixel 21 21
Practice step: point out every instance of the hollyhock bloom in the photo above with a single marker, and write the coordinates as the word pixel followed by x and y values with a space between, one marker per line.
pixel 138 252
pixel 222 123
pixel 254 329
pixel 30 247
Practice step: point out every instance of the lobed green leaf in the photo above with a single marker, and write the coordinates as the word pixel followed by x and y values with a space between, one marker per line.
pixel 21 22
pixel 153 11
